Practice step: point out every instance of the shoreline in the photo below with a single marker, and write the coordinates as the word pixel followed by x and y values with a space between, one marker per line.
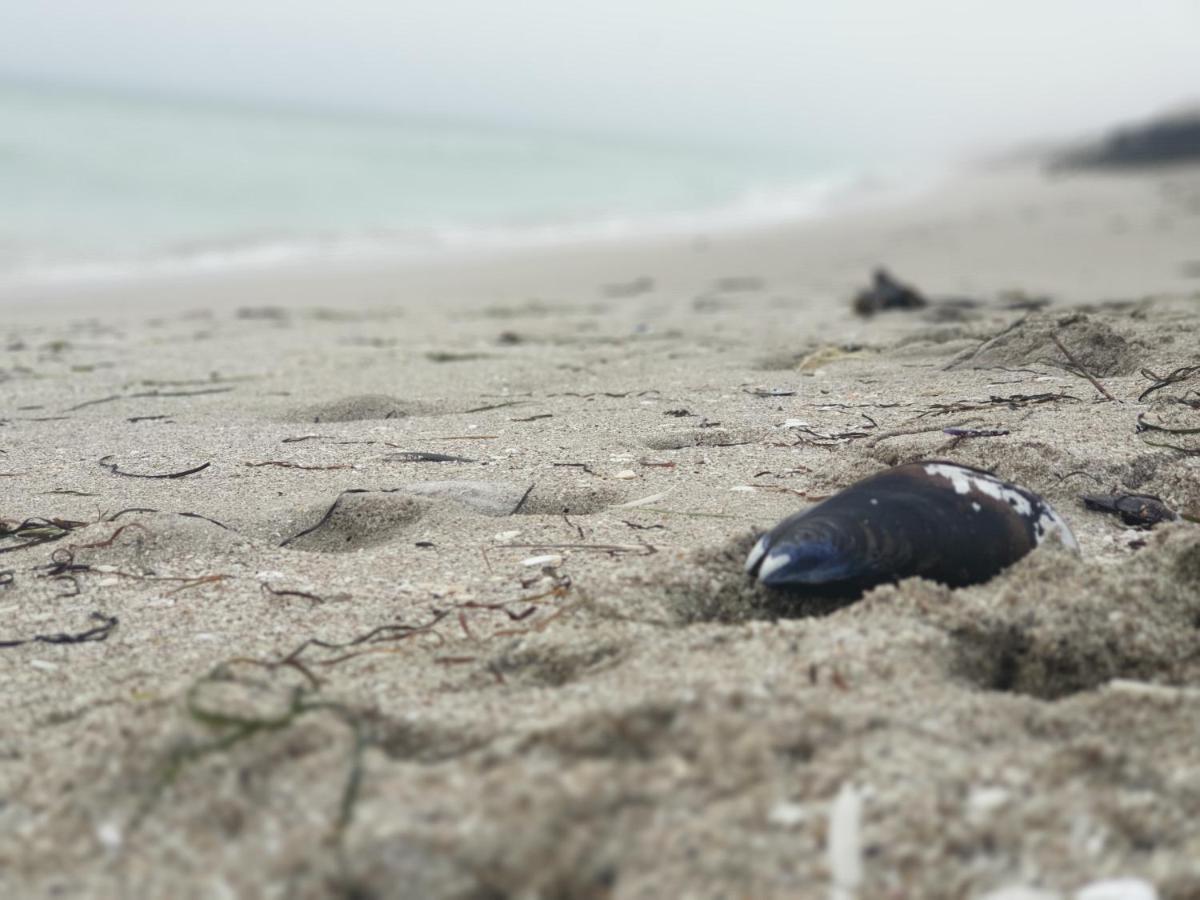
pixel 826 198
pixel 1021 218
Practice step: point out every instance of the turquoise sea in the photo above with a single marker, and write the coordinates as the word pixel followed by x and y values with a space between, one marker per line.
pixel 102 184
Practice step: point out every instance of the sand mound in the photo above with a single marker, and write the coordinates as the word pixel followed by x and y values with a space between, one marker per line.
pixel 359 408
pixel 359 519
pixel 1095 345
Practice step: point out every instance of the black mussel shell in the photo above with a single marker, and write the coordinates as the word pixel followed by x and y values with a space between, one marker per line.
pixel 1137 510
pixel 939 520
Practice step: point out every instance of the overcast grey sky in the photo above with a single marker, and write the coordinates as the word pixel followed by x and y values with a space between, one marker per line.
pixel 925 75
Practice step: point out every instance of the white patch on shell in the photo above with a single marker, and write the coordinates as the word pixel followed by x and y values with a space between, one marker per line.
pixel 772 563
pixel 965 481
pixel 1047 523
pixel 759 551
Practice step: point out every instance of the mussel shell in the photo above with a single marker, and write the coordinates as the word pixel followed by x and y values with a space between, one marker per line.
pixel 1137 510
pixel 946 522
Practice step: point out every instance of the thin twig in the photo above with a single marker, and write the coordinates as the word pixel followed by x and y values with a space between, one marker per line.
pixel 1081 370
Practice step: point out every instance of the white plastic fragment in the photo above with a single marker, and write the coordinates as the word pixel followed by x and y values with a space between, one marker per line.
pixel 787 814
pixel 845 843
pixel 506 535
pixel 550 559
pixel 1117 889
pixel 109 835
pixel 984 800
pixel 44 664
pixel 626 474
pixel 643 501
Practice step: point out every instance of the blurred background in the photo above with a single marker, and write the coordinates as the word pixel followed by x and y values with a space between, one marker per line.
pixel 143 135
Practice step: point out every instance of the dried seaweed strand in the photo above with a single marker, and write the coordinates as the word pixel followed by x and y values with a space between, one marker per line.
pixel 114 397
pixel 1144 426
pixel 329 512
pixel 377 635
pixel 92 635
pixel 415 456
pixel 1014 401
pixel 492 406
pixel 639 549
pixel 108 542
pixel 112 467
pixel 276 592
pixel 521 502
pixel 1161 381
pixel 975 432
pixel 282 464
pixel 38 531
pixel 112 517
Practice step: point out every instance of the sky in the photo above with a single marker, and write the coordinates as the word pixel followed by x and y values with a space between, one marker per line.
pixel 921 75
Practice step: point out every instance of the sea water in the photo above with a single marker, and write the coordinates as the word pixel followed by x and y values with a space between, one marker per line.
pixel 97 184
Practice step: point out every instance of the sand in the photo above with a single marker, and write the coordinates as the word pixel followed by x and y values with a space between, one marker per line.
pixel 334 664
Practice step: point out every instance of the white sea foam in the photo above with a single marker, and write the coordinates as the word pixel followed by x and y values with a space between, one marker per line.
pixel 99 187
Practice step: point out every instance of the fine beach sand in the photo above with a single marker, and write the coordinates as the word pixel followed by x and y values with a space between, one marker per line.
pixel 569 688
